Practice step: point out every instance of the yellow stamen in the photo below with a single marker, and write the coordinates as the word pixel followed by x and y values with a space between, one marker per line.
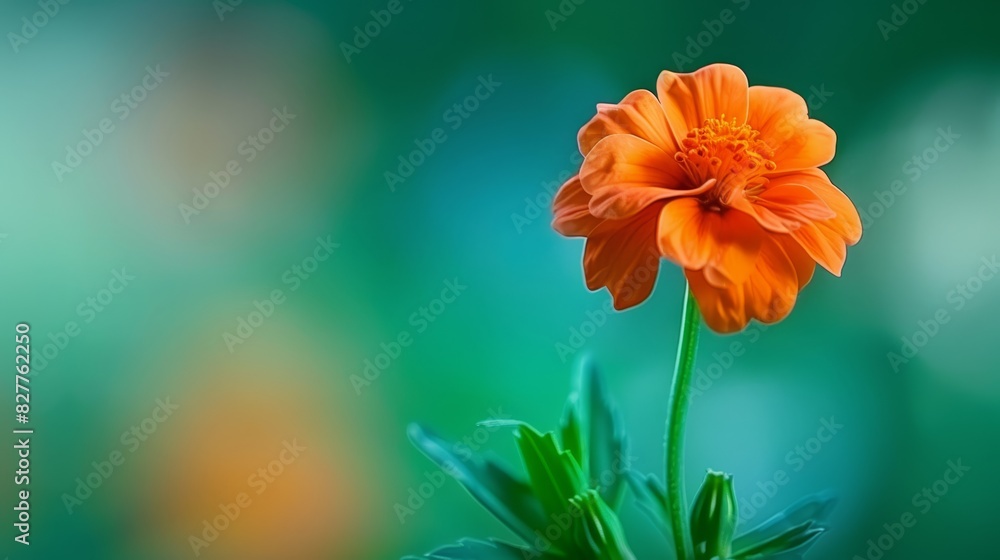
pixel 732 154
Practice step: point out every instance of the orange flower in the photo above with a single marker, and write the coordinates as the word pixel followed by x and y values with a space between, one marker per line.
pixel 718 177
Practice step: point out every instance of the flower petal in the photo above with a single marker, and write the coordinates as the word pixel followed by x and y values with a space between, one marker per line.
pixel 823 244
pixel 625 174
pixel 572 216
pixel 784 206
pixel 723 309
pixel 768 294
pixel 621 255
pixel 800 259
pixel 783 121
pixel 681 227
pixel 724 244
pixel 773 287
pixel 847 222
pixel 639 114
pixel 711 92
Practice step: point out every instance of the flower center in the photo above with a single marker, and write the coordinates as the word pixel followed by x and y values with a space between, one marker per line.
pixel 732 154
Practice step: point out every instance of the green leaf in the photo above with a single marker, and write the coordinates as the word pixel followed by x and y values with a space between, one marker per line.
pixel 651 497
pixel 562 510
pixel 801 520
pixel 508 498
pixel 603 535
pixel 470 549
pixel 592 431
pixel 555 475
pixel 570 433
pixel 795 542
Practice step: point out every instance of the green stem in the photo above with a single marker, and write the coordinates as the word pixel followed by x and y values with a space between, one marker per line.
pixel 680 395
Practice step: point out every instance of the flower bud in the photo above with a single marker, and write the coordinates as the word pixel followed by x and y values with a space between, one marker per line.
pixel 714 517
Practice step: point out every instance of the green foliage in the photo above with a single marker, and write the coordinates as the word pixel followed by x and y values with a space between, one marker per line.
pixel 651 497
pixel 592 431
pixel 565 505
pixel 501 492
pixel 787 535
pixel 605 537
pixel 470 549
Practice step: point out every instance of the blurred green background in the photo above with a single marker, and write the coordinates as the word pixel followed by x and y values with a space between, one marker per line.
pixel 458 258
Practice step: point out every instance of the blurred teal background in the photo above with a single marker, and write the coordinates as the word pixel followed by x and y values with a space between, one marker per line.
pixel 202 82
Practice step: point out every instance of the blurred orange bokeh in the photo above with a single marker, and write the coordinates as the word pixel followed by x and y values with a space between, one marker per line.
pixel 255 466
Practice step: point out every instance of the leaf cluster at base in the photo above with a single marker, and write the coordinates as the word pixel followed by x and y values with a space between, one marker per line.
pixel 566 505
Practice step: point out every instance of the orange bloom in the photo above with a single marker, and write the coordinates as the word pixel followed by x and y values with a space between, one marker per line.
pixel 718 177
